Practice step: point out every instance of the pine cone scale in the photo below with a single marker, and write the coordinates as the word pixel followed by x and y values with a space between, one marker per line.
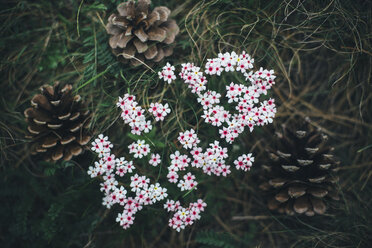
pixel 282 196
pixel 141 35
pixel 318 192
pixel 160 55
pixel 151 52
pixel 157 34
pixel 114 29
pixel 54 126
pixel 290 168
pixel 41 101
pixel 123 41
pixel 301 205
pixel 277 182
pixel 120 23
pixel 164 12
pixel 140 46
pixel 296 191
pixel 55 103
pixel 49 142
pixel 126 9
pixel 129 52
pixel 318 205
pixel 58 153
pixel 83 140
pixel 317 179
pixel 75 149
pixel 41 119
pixel 74 116
pixel 143 6
pixel 67 140
pixel 35 129
pixel 114 41
pixel 152 18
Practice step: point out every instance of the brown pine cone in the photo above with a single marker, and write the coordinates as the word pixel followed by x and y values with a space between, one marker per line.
pixel 299 179
pixel 58 123
pixel 140 35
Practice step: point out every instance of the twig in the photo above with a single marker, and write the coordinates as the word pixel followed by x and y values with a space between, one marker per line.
pixel 250 217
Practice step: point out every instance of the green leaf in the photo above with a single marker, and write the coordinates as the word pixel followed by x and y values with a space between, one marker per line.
pixel 149 138
pixel 49 171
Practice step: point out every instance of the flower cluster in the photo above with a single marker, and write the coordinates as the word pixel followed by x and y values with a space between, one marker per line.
pixel 229 62
pixel 211 161
pixel 184 216
pixel 178 163
pixel 139 148
pixel 248 110
pixel 101 145
pixel 244 162
pixel 144 192
pixel 159 110
pixel 188 182
pixel 133 115
pixel 107 167
pixel 188 139
pixel 123 167
pixel 167 73
pixel 251 111
pixel 192 76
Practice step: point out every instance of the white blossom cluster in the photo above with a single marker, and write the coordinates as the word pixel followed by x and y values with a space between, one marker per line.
pixel 107 167
pixel 244 162
pixel 167 73
pixel 250 110
pixel 134 115
pixel 159 111
pixel 211 161
pixel 184 216
pixel 188 139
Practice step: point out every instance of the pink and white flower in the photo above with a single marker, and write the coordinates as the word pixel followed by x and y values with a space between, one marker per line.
pixel 188 139
pixel 167 73
pixel 139 148
pixel 155 159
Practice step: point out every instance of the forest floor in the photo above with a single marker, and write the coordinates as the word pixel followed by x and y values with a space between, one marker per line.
pixel 321 52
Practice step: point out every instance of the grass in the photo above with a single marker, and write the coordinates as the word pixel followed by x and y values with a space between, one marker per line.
pixel 320 51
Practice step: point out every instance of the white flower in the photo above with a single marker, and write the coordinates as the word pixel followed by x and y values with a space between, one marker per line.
pixel 139 149
pixel 167 73
pixel 188 139
pixel 159 111
pixel 155 159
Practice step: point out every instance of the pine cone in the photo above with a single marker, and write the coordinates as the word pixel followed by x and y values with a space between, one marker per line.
pixel 137 32
pixel 57 123
pixel 300 177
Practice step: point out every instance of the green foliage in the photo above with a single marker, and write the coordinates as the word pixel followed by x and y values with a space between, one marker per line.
pixel 39 211
pixel 213 239
pixel 54 58
pixel 98 56
pixel 51 168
